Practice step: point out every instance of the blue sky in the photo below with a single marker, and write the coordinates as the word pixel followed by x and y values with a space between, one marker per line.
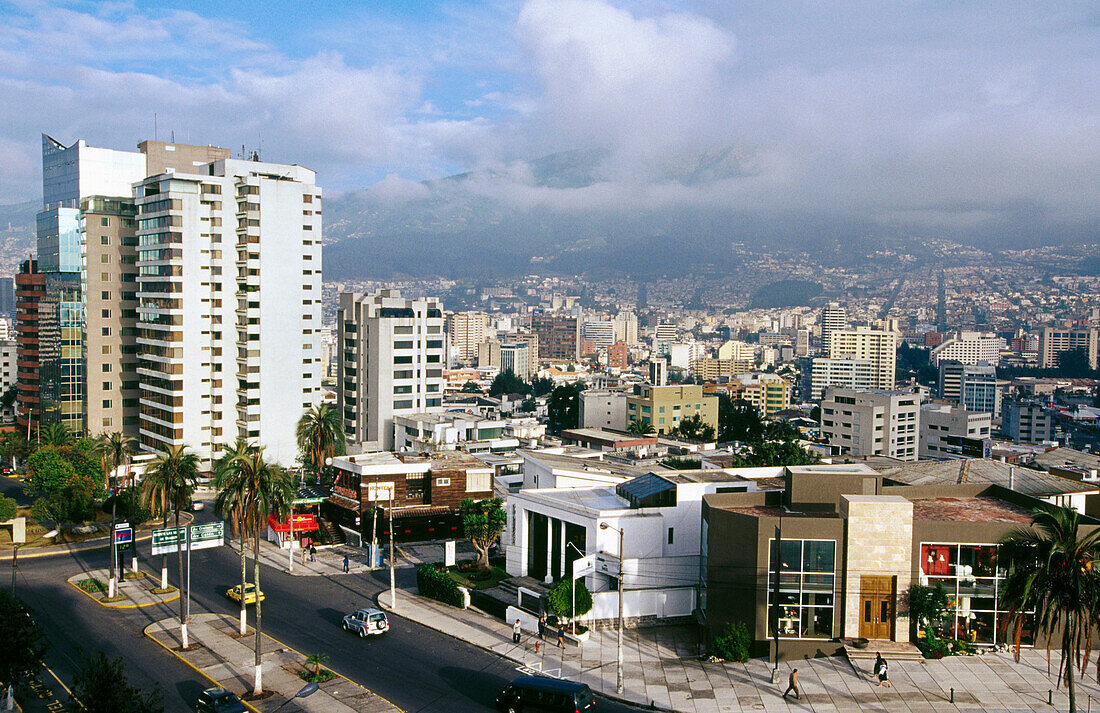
pixel 929 114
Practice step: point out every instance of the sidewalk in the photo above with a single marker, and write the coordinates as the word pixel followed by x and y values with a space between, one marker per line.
pixel 330 561
pixel 662 668
pixel 228 660
pixel 130 594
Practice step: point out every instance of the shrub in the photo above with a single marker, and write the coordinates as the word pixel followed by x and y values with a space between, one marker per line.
pixel 561 599
pixel 733 644
pixel 432 582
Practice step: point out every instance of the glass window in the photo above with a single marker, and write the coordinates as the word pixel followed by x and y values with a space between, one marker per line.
pixel 972 578
pixel 807 578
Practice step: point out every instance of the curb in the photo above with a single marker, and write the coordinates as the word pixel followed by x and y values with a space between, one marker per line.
pixel 111 605
pixel 145 631
pixel 608 696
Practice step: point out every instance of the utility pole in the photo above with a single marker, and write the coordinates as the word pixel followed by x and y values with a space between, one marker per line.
pixel 393 552
pixel 619 642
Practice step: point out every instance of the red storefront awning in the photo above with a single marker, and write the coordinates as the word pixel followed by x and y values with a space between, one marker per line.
pixel 302 523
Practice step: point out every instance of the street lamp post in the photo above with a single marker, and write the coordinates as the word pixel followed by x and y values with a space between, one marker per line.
pixel 307 690
pixel 573 588
pixel 619 642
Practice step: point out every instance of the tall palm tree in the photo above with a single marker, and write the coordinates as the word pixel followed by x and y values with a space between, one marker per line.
pixel 320 435
pixel 231 503
pixel 173 474
pixel 640 427
pixel 113 450
pixel 55 434
pixel 1053 577
pixel 269 489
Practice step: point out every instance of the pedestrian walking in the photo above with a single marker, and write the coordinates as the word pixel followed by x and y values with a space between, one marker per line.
pixel 303 555
pixel 561 636
pixel 312 552
pixel 877 666
pixel 792 685
pixel 542 626
pixel 346 564
pixel 516 631
pixel 883 677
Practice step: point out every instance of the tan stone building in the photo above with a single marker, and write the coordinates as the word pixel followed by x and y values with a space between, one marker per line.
pixel 666 406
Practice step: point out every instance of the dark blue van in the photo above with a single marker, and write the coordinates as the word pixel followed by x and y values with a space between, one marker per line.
pixel 528 694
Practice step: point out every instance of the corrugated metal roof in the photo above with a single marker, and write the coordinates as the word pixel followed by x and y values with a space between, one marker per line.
pixel 1031 482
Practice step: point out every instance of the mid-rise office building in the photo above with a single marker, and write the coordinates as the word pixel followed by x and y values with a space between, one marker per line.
pixel 7 297
pixel 517 356
pixel 600 333
pixel 618 356
pixel 393 356
pixel 1054 342
pixel 858 374
pixel 978 389
pixel 626 328
pixel 1027 422
pixel 229 301
pixel 465 331
pixel 948 431
pixel 871 423
pixel 769 393
pixel 710 369
pixel 880 348
pixel 949 383
pixel 558 337
pixel 969 348
pixel 663 338
pixel 666 406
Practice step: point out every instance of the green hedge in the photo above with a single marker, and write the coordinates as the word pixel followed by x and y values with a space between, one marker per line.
pixel 434 583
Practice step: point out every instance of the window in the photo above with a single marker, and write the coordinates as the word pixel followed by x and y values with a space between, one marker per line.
pixel 106 349
pixel 104 258
pixel 104 240
pixel 106 314
pixel 671 534
pixel 106 367
pixel 402 360
pixel 105 295
pixel 807 572
pixel 972 577
pixel 403 345
pixel 479 482
pixel 106 403
pixel 106 386
pixel 404 403
pixel 104 221
pixel 442 482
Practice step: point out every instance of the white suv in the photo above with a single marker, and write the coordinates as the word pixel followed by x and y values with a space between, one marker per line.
pixel 367 622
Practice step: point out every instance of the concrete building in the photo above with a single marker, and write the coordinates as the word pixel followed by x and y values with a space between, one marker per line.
pixel 603 408
pixel 769 393
pixel 394 365
pixel 871 423
pixel 948 431
pixel 1053 342
pixel 733 350
pixel 949 383
pixel 618 356
pixel 969 348
pixel 626 328
pixel 978 389
pixel 8 374
pixel 600 333
pixel 858 374
pixel 518 356
pixel 663 337
pixel 559 337
pixel 711 369
pixel 1026 422
pixel 7 298
pixel 879 348
pixel 450 431
pixel 833 318
pixel 465 331
pixel 229 301
pixel 666 406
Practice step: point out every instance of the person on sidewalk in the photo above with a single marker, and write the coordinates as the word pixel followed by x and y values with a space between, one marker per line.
pixel 303 556
pixel 346 564
pixel 561 636
pixel 792 685
pixel 312 552
pixel 542 626
pixel 516 632
pixel 883 677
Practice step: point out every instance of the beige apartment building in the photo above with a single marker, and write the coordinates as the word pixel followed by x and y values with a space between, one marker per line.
pixel 879 348
pixel 769 393
pixel 465 331
pixel 666 406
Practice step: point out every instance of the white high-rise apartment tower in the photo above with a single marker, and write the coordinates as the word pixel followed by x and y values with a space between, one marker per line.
pixel 393 353
pixel 833 317
pixel 229 305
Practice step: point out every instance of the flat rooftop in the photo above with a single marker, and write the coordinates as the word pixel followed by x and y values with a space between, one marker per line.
pixel 975 509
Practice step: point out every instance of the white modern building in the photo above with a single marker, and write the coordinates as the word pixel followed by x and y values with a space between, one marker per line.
pixel 978 390
pixel 229 305
pixel 871 423
pixel 600 333
pixel 969 348
pixel 457 430
pixel 880 348
pixel 603 408
pixel 949 431
pixel 8 351
pixel 856 374
pixel 392 365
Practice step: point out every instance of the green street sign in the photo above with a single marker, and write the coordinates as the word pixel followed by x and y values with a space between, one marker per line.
pixel 207 531
pixel 169 539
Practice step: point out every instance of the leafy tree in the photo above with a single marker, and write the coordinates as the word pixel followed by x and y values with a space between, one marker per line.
pixel 733 643
pixel 55 434
pixel 13 446
pixel 560 599
pixel 640 427
pixel 320 435
pixel 101 686
pixel 46 470
pixel 563 408
pixel 773 453
pixel 22 646
pixel 738 420
pixel 66 494
pixel 506 382
pixel 529 405
pixel 482 523
pixel 471 387
pixel 694 428
pixel 174 474
pixel 927 605
pixel 1051 571
pixel 781 431
pixel 681 463
pixel 8 508
pixel 541 386
pixel 231 503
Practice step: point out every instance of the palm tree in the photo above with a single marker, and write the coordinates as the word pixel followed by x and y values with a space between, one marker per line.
pixel 173 475
pixel 113 451
pixel 1052 577
pixel 269 488
pixel 54 434
pixel 320 435
pixel 231 503
pixel 640 427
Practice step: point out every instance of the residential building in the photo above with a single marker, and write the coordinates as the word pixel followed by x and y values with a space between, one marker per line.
pixel 32 315
pixel 948 431
pixel 663 337
pixel 666 406
pixel 1026 422
pixel 229 301
pixel 769 393
pixel 472 433
pixel 978 390
pixel 658 371
pixel 8 374
pixel 465 331
pixel 626 328
pixel 969 348
pixel 833 318
pixel 858 374
pixel 802 343
pixel 7 297
pixel 558 337
pixel 520 357
pixel 871 423
pixel 880 348
pixel 711 369
pixel 618 356
pixel 603 408
pixel 393 363
pixel 1053 342
pixel 737 351
pixel 949 384
pixel 600 333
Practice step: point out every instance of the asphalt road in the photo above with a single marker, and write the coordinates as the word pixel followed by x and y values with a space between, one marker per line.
pixel 418 669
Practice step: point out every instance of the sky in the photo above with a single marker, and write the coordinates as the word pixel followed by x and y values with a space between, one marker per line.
pixel 930 116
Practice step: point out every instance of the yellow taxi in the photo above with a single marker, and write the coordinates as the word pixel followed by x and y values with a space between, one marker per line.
pixel 250 594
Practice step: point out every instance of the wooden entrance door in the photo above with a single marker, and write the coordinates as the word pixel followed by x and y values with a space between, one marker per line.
pixel 876 607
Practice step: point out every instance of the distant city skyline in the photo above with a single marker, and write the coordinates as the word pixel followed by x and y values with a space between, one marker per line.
pixel 917 119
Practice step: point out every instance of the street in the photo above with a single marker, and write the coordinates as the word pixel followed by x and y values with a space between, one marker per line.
pixel 416 668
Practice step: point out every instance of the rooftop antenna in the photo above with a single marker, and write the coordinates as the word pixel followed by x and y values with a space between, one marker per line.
pixel 173 136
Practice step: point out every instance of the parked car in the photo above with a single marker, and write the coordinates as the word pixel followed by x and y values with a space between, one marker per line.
pixel 197 505
pixel 219 700
pixel 527 694
pixel 367 622
pixel 250 594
